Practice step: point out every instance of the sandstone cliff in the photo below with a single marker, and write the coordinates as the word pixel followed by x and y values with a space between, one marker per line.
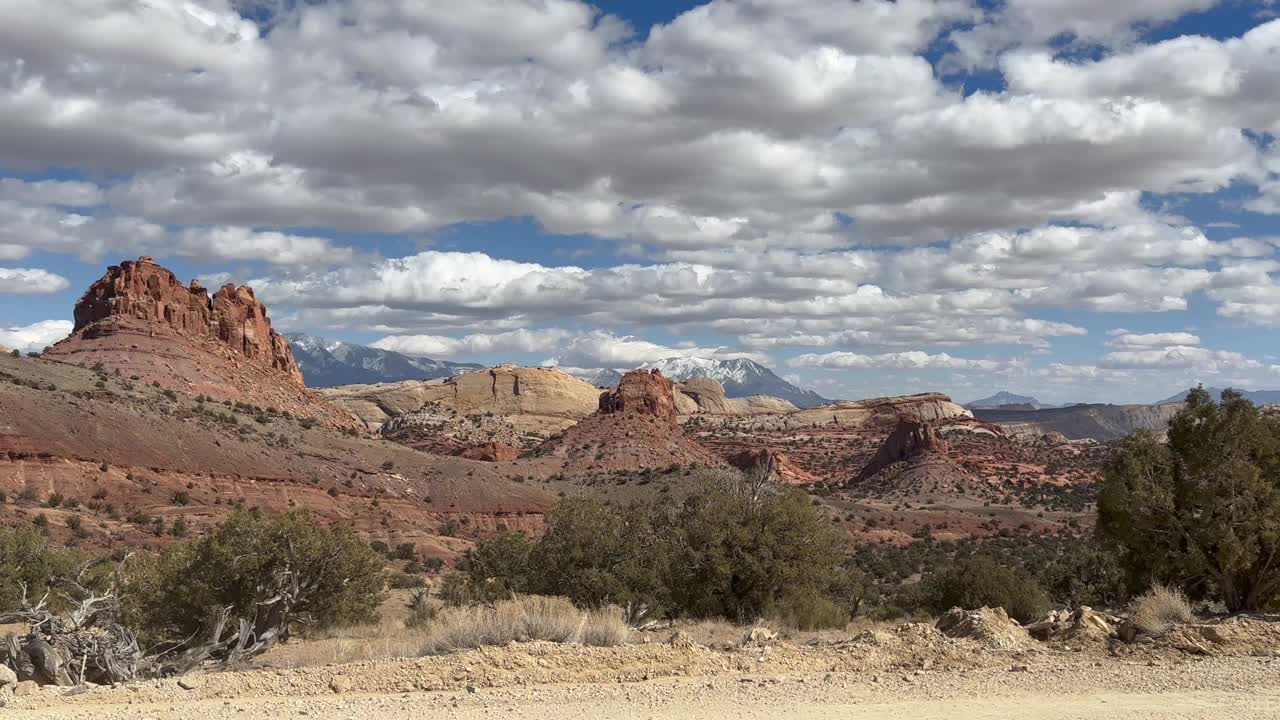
pixel 533 400
pixel 852 414
pixel 1078 422
pixel 139 321
pixel 706 396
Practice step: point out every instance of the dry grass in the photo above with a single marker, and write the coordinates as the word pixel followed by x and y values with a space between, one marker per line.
pixel 386 639
pixel 1160 608
pixel 605 628
pixel 522 618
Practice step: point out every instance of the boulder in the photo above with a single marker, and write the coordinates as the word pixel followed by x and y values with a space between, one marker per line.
pixel 26 687
pixel 341 684
pixel 1083 623
pixel 991 627
pixel 8 677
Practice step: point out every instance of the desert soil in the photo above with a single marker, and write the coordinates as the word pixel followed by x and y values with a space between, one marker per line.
pixel 515 683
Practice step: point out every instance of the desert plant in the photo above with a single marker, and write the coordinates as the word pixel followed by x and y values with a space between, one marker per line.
pixel 521 618
pixel 978 581
pixel 271 572
pixel 495 569
pixel 422 609
pixel 1202 511
pixel 1157 610
pixel 28 559
pixel 736 551
pixel 605 627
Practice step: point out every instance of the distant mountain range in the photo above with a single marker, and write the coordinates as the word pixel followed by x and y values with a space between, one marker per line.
pixel 328 363
pixel 1257 397
pixel 740 377
pixel 605 378
pixel 1004 398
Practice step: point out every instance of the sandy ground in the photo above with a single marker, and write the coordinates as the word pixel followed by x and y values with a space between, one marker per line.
pixel 709 700
pixel 1239 687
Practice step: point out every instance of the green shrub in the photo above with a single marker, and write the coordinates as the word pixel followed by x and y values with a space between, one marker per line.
pixel 1201 511
pixel 250 559
pixel 736 552
pixel 809 610
pixel 976 582
pixel 27 558
pixel 1088 576
pixel 405 581
pixel 731 550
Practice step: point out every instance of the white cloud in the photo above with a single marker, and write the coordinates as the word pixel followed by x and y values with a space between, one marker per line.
pixel 782 174
pixel 514 341
pixel 1121 338
pixel 31 281
pixel 36 336
pixel 1180 356
pixel 909 360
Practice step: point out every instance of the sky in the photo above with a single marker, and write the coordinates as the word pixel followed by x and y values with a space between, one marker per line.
pixel 1073 199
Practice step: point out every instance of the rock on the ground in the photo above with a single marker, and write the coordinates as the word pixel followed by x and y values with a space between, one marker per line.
pixel 7 676
pixel 26 687
pixel 991 627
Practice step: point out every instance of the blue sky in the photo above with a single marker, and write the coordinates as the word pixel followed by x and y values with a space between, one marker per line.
pixel 1076 200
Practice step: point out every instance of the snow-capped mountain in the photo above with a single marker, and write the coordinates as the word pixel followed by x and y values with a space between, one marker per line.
pixel 326 363
pixel 1004 397
pixel 605 378
pixel 740 377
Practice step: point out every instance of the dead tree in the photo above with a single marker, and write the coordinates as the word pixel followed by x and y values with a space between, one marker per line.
pixel 87 644
pixel 91 643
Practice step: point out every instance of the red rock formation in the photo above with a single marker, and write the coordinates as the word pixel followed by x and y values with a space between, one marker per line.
pixel 646 392
pixel 145 291
pixel 241 322
pixel 138 320
pixel 491 452
pixel 910 439
pixel 635 428
pixel 781 468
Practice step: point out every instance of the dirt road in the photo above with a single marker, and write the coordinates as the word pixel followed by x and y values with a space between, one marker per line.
pixel 1218 689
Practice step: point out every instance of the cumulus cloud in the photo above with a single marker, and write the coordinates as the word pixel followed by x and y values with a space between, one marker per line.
pixel 515 341
pixel 783 176
pixel 31 281
pixel 909 360
pixel 1121 338
pixel 36 336
pixel 1180 356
